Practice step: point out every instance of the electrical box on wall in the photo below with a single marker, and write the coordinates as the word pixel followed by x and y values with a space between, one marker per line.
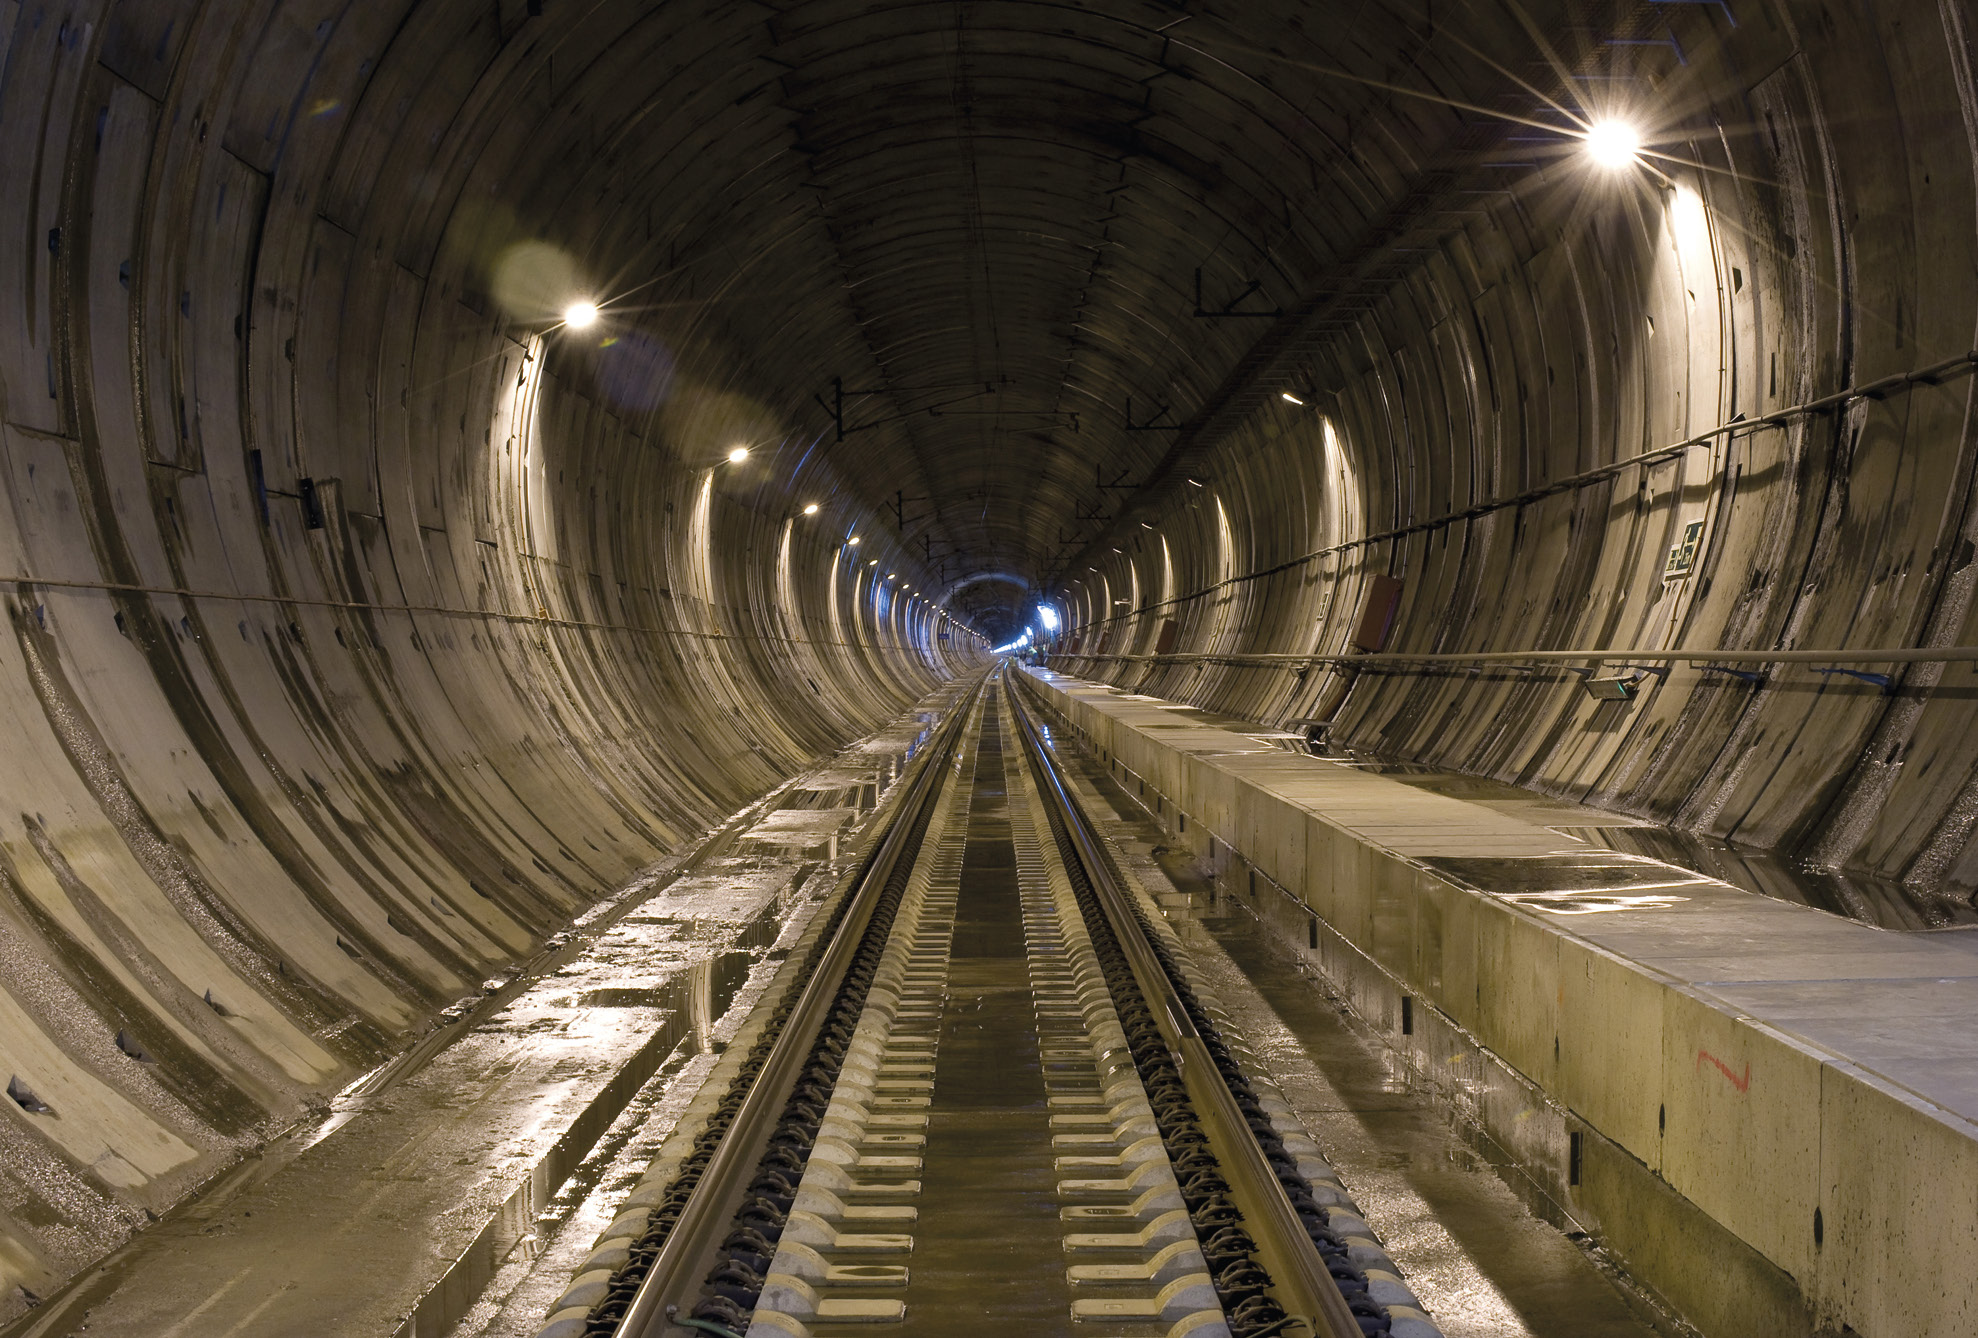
pixel 1610 689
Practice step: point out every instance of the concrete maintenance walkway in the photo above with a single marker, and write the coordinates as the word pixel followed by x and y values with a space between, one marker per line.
pixel 1765 1109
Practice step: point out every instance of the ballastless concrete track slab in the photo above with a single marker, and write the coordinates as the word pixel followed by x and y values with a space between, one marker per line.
pixel 989 1206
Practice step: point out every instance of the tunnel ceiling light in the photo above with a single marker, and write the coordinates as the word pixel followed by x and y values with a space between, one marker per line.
pixel 580 315
pixel 1289 398
pixel 852 542
pixel 1613 144
pixel 739 454
pixel 811 509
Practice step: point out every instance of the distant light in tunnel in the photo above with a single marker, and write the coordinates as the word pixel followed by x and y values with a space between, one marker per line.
pixel 580 315
pixel 811 510
pixel 852 542
pixel 1049 617
pixel 739 454
pixel 1613 144
pixel 1289 398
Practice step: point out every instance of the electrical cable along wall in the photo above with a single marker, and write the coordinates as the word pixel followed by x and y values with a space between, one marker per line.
pixel 1719 398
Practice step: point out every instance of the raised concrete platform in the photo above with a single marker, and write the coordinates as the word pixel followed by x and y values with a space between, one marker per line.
pixel 1805 1085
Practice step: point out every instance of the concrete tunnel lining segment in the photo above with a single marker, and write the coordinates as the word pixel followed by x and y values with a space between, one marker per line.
pixel 368 624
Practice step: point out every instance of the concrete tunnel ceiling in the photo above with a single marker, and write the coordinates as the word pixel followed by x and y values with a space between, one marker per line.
pixel 368 622
pixel 943 250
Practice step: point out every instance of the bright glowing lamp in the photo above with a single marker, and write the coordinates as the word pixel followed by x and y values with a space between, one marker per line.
pixel 1289 398
pixel 1613 144
pixel 739 454
pixel 580 315
pixel 811 510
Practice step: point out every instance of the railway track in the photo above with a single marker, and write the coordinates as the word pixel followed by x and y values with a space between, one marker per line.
pixel 987 1094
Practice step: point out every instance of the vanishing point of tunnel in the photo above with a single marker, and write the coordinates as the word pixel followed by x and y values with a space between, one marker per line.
pixel 1411 561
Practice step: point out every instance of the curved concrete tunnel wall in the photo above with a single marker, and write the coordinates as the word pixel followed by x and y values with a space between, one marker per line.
pixel 1815 234
pixel 360 633
pixel 546 632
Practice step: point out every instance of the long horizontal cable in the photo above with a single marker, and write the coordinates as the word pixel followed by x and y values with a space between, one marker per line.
pixel 499 615
pixel 1964 364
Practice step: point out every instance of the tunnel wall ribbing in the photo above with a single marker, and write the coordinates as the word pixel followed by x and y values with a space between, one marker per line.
pixel 358 633
pixel 1815 233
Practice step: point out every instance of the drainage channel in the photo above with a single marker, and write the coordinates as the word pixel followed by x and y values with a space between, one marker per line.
pixel 963 1140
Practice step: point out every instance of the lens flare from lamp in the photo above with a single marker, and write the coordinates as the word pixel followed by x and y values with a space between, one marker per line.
pixel 811 509
pixel 580 315
pixel 739 454
pixel 1613 144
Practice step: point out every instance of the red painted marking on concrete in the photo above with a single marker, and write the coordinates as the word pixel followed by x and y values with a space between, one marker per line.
pixel 1742 1084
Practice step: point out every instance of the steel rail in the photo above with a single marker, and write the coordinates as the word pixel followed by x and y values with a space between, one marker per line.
pixel 674 1280
pixel 1303 1284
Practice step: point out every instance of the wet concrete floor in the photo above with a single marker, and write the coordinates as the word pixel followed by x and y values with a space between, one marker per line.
pixel 988 1205
pixel 342 1227
pixel 1450 1212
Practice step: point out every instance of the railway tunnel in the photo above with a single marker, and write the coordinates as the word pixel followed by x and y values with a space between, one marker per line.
pixel 1461 516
